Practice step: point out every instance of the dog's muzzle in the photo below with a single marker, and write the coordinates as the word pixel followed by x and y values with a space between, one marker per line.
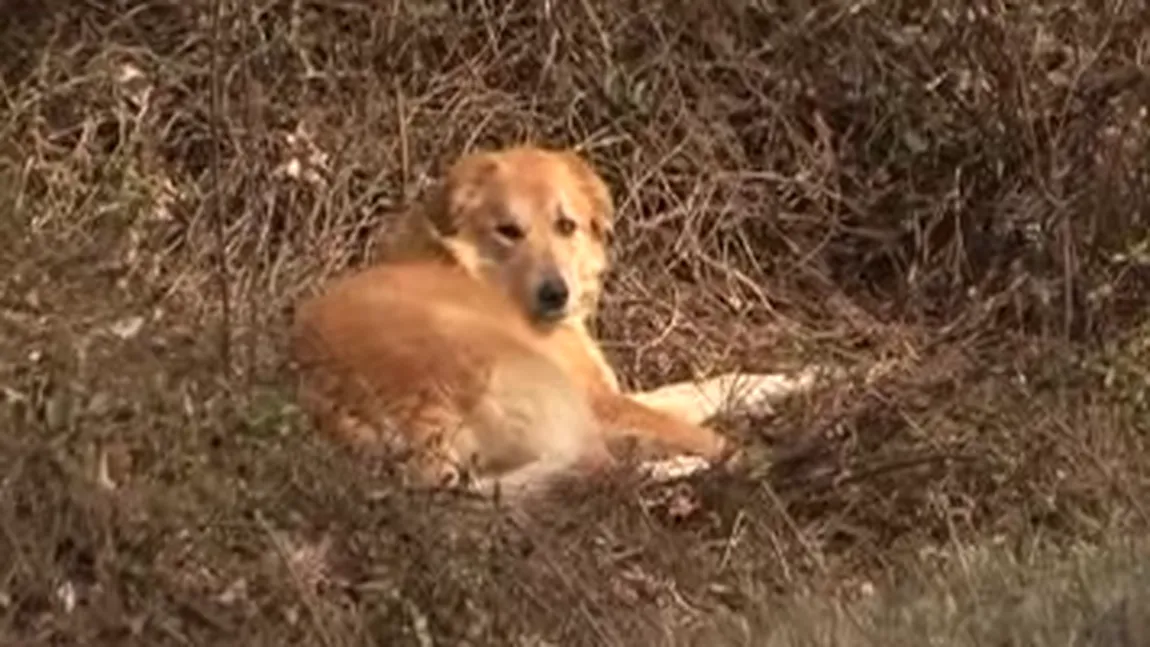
pixel 552 298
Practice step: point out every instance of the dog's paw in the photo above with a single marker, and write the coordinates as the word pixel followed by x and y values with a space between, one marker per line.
pixel 671 469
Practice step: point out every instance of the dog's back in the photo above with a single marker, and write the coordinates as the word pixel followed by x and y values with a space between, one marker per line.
pixel 424 358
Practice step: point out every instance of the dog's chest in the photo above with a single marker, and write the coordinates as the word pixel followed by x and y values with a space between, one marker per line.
pixel 575 350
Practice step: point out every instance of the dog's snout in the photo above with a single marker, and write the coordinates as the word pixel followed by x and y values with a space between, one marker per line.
pixel 552 295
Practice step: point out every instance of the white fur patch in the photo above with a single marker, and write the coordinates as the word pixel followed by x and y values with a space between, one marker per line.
pixel 675 468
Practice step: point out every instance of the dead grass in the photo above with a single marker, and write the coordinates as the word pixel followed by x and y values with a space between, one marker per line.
pixel 955 192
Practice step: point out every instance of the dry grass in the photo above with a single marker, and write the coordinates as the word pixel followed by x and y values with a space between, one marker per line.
pixel 955 192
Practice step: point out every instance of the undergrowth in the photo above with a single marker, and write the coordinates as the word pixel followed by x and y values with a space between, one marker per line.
pixel 951 193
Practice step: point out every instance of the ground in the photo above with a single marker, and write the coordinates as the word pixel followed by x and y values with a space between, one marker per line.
pixel 948 198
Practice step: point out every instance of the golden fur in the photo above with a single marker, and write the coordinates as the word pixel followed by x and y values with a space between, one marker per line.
pixel 468 345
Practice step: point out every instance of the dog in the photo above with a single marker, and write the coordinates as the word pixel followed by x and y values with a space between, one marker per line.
pixel 468 346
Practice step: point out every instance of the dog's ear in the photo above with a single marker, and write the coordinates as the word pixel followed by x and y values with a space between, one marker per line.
pixel 598 194
pixel 460 191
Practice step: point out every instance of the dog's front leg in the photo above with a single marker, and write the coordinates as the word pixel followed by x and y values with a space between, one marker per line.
pixel 653 432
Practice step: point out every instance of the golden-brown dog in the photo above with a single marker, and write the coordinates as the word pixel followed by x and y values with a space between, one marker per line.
pixel 467 348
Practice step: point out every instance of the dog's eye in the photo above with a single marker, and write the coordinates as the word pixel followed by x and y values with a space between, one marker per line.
pixel 510 231
pixel 565 226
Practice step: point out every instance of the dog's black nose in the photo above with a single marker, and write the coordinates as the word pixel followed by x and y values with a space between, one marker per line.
pixel 551 296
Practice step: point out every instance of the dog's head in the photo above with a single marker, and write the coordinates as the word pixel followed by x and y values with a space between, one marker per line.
pixel 533 221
